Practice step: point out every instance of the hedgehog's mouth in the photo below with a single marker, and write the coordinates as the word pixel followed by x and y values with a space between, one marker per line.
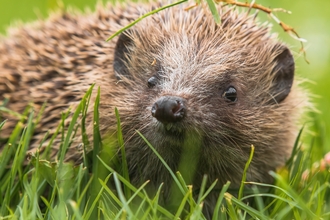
pixel 171 128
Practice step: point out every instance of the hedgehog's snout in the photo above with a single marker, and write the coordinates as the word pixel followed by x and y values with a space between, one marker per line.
pixel 169 109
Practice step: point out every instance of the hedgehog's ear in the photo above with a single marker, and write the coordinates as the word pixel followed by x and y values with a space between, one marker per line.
pixel 284 74
pixel 121 55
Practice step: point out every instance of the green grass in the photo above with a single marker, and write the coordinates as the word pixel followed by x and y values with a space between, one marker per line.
pixel 58 190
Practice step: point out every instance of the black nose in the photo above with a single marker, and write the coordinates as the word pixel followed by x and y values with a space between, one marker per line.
pixel 168 109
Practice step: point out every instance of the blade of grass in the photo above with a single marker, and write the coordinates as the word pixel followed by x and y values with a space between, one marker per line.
pixel 76 211
pixel 110 192
pixel 242 206
pixel 155 201
pixel 16 166
pixel 241 189
pixel 295 148
pixel 202 189
pixel 208 191
pixel 133 196
pixel 85 103
pixel 25 141
pixel 92 207
pixel 230 208
pixel 144 16
pixel 287 201
pixel 2 124
pixel 123 154
pixel 183 203
pixel 214 11
pixel 10 147
pixel 97 147
pixel 47 151
pixel 289 191
pixel 141 195
pixel 126 208
pixel 16 114
pixel 182 189
pixel 259 202
pixel 66 142
pixel 219 201
pixel 67 138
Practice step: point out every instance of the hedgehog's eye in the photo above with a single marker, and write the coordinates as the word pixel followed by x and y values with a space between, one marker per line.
pixel 230 94
pixel 152 81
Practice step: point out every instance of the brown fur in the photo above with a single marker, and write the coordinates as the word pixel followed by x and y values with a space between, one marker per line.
pixel 58 59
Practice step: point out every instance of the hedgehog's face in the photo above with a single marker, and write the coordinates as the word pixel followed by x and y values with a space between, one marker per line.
pixel 211 92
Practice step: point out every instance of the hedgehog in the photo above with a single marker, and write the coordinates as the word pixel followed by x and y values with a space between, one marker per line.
pixel 201 93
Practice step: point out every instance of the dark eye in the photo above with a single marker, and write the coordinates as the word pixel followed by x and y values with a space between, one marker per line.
pixel 152 81
pixel 230 94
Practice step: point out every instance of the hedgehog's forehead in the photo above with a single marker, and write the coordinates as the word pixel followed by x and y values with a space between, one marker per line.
pixel 199 24
pixel 177 53
pixel 196 33
pixel 191 42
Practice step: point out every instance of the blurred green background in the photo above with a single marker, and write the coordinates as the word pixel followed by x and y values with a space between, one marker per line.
pixel 309 18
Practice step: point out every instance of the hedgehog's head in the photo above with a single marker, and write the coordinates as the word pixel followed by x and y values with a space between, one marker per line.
pixel 227 85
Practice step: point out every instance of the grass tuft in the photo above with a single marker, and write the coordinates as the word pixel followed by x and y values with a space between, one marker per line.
pixel 44 189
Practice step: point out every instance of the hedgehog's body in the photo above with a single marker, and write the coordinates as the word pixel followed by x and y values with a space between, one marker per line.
pixel 189 86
